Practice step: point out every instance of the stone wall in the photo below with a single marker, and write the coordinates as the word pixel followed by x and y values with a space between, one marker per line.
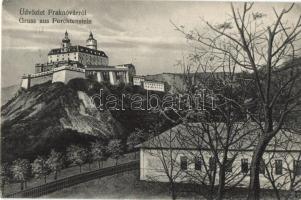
pixel 40 79
pixel 36 79
pixel 65 74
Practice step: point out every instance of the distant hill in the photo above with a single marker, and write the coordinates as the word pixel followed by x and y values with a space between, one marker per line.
pixel 8 92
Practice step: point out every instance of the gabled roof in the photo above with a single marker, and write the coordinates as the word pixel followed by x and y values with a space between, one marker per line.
pixel 195 136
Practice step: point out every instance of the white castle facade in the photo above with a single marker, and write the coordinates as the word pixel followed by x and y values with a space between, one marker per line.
pixel 69 62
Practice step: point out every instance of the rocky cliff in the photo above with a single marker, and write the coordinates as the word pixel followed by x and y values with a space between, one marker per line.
pixel 52 116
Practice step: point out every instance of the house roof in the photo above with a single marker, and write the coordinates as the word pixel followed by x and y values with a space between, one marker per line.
pixel 244 136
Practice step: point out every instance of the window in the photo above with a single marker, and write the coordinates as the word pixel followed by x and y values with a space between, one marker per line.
pixel 278 167
pixel 184 163
pixel 262 167
pixel 212 164
pixel 244 166
pixel 228 165
pixel 297 167
pixel 197 163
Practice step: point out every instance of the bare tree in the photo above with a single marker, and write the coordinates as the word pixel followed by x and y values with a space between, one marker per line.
pixel 262 50
pixel 221 143
pixel 282 172
pixel 163 150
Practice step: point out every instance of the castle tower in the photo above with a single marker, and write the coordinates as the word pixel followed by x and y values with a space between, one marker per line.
pixel 66 42
pixel 91 42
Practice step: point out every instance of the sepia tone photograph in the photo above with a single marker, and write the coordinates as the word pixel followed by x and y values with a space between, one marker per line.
pixel 150 99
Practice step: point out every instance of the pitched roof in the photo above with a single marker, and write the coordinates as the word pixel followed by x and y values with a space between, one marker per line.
pixel 243 137
pixel 77 48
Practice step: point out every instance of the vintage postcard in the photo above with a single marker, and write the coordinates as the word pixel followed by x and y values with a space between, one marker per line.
pixel 150 99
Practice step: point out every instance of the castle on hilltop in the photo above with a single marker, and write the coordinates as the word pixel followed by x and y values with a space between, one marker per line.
pixel 69 62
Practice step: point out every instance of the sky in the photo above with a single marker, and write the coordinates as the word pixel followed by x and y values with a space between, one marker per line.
pixel 138 32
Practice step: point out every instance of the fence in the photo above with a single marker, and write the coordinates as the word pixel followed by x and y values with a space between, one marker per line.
pixel 74 180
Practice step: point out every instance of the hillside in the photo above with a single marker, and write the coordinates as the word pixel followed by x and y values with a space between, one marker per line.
pixel 8 92
pixel 55 115
pixel 52 116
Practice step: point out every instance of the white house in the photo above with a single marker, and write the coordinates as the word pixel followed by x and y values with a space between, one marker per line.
pixel 151 85
pixel 184 153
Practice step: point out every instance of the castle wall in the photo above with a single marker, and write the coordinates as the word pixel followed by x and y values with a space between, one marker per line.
pixel 84 58
pixel 89 59
pixel 65 74
pixel 63 57
pixel 25 82
pixel 36 79
pixel 40 79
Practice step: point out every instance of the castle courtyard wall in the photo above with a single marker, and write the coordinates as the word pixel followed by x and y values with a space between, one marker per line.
pixel 64 74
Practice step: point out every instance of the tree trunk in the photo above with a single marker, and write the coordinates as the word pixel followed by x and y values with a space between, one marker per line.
pixel 221 186
pixel 22 185
pixel 80 168
pixel 254 187
pixel 55 175
pixel 172 190
pixel 45 179
pixel 276 192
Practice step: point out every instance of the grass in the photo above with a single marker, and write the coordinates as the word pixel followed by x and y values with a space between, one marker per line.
pixel 125 186
pixel 70 171
pixel 128 186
